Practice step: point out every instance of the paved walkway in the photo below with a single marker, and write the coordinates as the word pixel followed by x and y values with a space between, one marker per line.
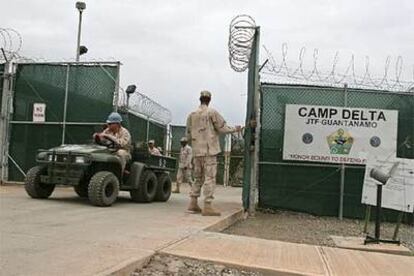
pixel 276 257
pixel 65 235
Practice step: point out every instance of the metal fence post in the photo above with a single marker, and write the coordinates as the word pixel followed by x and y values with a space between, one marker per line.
pixel 65 104
pixel 148 124
pixel 116 92
pixel 227 156
pixel 168 140
pixel 342 183
pixel 6 114
pixel 254 84
pixel 4 122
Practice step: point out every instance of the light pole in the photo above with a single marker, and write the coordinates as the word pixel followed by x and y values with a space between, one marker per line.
pixel 80 6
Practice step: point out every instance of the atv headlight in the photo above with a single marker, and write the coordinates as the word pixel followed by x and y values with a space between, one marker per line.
pixel 41 156
pixel 80 159
pixel 49 157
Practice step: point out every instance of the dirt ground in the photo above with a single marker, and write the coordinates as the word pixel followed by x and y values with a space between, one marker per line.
pixel 309 229
pixel 167 265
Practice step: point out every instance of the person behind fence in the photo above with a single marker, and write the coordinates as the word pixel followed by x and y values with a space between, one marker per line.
pixel 184 165
pixel 119 135
pixel 203 128
pixel 152 149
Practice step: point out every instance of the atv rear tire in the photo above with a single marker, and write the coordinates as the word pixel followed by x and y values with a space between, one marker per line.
pixel 103 189
pixel 147 188
pixel 81 189
pixel 34 187
pixel 163 188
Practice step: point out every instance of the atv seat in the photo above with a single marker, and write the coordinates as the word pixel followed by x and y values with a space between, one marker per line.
pixel 140 153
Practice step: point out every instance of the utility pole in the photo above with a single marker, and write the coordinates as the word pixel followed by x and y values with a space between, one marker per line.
pixel 80 6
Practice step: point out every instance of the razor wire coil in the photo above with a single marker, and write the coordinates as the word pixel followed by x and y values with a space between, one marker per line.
pixel 11 42
pixel 241 35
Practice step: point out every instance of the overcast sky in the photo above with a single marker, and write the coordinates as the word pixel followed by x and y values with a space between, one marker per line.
pixel 174 49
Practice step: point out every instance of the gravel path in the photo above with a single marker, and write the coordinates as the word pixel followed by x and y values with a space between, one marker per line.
pixel 161 265
pixel 309 229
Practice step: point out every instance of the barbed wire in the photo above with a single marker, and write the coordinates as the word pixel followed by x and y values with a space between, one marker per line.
pixel 145 106
pixel 282 71
pixel 241 35
pixel 64 60
pixel 142 105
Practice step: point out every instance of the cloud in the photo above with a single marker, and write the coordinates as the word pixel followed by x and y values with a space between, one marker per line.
pixel 173 49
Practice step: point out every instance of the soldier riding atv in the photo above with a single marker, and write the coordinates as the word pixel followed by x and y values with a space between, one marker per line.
pixel 99 171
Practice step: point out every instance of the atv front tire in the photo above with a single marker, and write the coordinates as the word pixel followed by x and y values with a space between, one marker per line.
pixel 34 187
pixel 103 189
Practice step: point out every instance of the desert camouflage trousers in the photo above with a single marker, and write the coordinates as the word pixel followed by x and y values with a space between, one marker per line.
pixel 125 156
pixel 184 176
pixel 205 170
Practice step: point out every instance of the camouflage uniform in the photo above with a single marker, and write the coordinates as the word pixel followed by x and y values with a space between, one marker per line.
pixel 185 166
pixel 203 128
pixel 154 151
pixel 123 138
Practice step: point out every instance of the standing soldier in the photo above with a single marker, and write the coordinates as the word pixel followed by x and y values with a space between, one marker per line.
pixel 184 165
pixel 203 128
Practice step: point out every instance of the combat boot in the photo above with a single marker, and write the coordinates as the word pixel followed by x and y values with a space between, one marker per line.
pixel 176 189
pixel 193 207
pixel 208 210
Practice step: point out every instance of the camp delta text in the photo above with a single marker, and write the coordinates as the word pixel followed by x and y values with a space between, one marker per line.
pixel 341 117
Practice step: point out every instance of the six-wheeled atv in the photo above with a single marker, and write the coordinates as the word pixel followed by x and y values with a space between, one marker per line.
pixel 95 172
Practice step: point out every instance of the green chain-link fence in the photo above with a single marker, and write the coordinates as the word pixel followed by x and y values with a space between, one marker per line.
pixel 177 132
pixel 78 98
pixel 301 187
pixel 236 169
pixel 138 126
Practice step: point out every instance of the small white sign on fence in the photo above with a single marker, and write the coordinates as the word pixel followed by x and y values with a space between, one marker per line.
pixel 39 112
pixel 398 192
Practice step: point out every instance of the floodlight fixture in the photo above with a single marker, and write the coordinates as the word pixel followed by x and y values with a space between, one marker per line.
pixel 80 6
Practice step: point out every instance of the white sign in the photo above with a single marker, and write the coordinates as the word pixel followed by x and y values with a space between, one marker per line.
pixel 398 192
pixel 338 134
pixel 39 112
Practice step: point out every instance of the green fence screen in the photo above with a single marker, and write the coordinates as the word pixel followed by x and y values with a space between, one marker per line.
pixel 177 132
pixel 137 126
pixel 90 96
pixel 298 186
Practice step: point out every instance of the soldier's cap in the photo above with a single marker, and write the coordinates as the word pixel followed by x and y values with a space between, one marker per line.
pixel 114 118
pixel 184 139
pixel 205 93
pixel 151 142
